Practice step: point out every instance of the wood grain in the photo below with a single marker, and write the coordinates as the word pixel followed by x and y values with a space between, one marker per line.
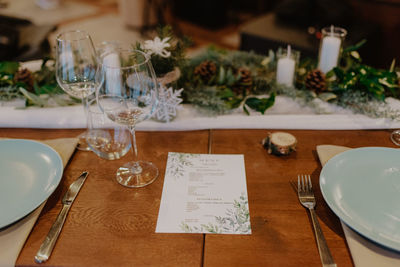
pixel 110 225
pixel 282 234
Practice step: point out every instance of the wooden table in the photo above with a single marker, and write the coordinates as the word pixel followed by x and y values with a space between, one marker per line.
pixel 110 225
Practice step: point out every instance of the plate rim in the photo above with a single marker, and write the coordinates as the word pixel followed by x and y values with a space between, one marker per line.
pixel 35 205
pixel 386 243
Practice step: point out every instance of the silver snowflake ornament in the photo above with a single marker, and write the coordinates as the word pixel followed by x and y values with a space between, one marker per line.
pixel 168 103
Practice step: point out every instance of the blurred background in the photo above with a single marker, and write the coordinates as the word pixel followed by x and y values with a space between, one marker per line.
pixel 28 27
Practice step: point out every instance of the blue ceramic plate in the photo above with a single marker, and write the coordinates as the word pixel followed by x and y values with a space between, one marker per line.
pixel 362 186
pixel 29 172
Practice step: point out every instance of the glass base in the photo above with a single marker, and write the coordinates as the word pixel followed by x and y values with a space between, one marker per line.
pixel 137 174
pixel 82 144
pixel 395 137
pixel 109 143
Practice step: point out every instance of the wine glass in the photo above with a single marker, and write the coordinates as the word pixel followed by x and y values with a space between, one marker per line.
pixel 128 95
pixel 76 66
pixel 107 139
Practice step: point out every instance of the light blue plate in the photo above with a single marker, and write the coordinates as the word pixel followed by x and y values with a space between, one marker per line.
pixel 362 186
pixel 29 172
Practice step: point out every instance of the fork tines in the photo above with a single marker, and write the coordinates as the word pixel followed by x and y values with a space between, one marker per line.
pixel 304 183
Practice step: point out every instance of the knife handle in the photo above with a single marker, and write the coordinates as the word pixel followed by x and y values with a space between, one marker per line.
pixel 47 246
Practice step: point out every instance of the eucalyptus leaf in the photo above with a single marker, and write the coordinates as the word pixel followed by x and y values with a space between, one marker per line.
pixel 355 47
pixel 246 110
pixel 33 99
pixel 230 78
pixel 260 104
pixel 234 103
pixel 327 96
pixel 302 71
pixel 313 94
pixel 355 54
pixel 266 61
pixel 385 82
pixel 221 75
pixel 64 100
pixel 362 71
pixel 9 67
pixel 271 54
pixel 392 66
pixel 225 93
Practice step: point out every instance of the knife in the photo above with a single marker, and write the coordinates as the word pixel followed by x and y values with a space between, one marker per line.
pixel 48 244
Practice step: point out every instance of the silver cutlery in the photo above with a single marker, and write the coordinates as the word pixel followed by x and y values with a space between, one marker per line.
pixel 48 244
pixel 307 199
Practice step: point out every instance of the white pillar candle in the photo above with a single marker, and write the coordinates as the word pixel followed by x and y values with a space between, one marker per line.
pixel 113 75
pixel 67 59
pixel 112 60
pixel 285 69
pixel 330 50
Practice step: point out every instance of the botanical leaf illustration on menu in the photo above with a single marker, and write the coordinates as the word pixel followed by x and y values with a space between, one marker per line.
pixel 177 163
pixel 237 221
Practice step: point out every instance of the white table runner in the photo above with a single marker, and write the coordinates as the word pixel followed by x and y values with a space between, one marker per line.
pixel 285 114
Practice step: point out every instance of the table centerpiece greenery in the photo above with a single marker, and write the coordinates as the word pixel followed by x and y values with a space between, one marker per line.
pixel 219 81
pixel 38 88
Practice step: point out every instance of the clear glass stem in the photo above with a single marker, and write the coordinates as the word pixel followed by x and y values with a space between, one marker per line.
pixel 85 102
pixel 136 166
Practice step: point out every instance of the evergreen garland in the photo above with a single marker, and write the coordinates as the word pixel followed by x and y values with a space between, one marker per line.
pixel 227 90
pixel 226 80
pixel 351 85
pixel 45 91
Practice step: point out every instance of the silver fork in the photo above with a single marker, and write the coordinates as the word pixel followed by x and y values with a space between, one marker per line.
pixel 307 199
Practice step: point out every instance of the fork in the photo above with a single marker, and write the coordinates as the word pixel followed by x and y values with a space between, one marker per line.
pixel 307 199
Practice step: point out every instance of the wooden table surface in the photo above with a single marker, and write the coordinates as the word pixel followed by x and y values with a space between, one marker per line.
pixel 110 225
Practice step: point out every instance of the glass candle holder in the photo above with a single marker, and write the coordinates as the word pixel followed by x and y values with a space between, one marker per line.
pixel 330 45
pixel 106 138
pixel 112 45
pixel 287 61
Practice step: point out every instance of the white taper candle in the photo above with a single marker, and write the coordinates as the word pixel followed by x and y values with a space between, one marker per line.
pixel 285 69
pixel 329 54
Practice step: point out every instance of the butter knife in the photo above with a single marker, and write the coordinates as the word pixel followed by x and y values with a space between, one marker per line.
pixel 48 244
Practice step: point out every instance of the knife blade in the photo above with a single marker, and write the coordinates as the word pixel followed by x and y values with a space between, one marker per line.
pixel 49 242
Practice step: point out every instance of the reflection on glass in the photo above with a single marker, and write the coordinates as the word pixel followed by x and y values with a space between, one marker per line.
pixel 128 95
pixel 76 66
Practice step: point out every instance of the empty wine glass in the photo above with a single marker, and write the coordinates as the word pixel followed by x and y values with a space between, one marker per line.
pixel 76 66
pixel 128 95
pixel 107 139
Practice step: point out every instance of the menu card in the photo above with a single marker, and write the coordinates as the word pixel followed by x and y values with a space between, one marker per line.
pixel 204 193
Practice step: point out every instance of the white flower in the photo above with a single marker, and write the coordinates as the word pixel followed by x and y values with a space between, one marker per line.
pixel 157 46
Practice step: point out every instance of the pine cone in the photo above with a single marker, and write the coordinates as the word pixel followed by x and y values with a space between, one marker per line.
pixel 25 76
pixel 206 70
pixel 316 81
pixel 245 82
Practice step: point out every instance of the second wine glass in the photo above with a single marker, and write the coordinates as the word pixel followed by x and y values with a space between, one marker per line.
pixel 128 95
pixel 76 66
